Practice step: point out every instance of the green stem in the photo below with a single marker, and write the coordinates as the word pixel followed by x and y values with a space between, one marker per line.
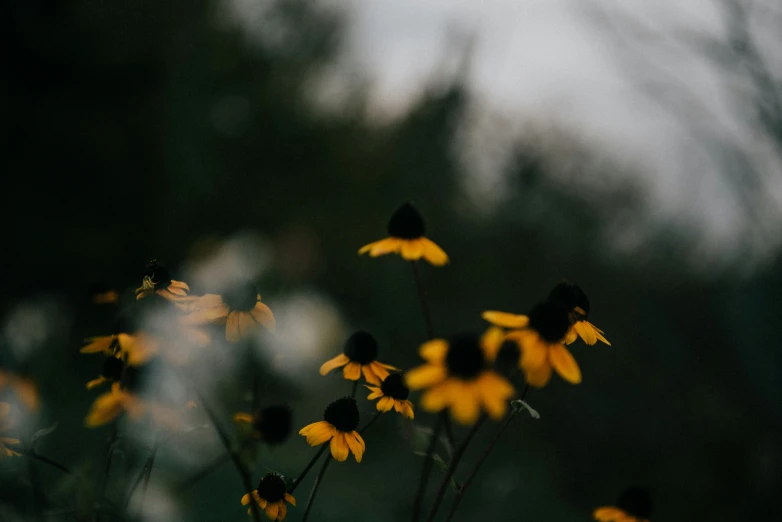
pixel 315 486
pixel 422 297
pixel 424 481
pixel 457 457
pixel 308 468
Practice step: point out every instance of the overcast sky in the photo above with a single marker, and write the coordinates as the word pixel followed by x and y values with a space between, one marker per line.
pixel 555 61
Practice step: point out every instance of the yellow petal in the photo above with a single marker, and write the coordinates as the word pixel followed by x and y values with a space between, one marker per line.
pixel 290 499
pixel 101 344
pixel 505 319
pixel 272 508
pixel 339 447
pixel 425 376
pixel 369 374
pixel 318 432
pixel 438 397
pixel 356 447
pixel 538 377
pixel 534 351
pixel 381 370
pixel 352 371
pixel 336 362
pixel 385 246
pixel 494 392
pixel 263 315
pixel 106 408
pixel 376 393
pixel 465 406
pixel 246 499
pixel 243 418
pixel 283 510
pixel 434 351
pixel 96 382
pixel 385 404
pixel 491 341
pixel 433 253
pixel 233 333
pixel 570 336
pixel 406 409
pixel 247 324
pixel 412 249
pixel 564 363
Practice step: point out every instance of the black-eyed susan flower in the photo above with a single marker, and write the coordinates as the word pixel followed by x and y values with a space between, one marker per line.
pixel 339 424
pixel 407 237
pixel 23 387
pixel 157 280
pixel 576 301
pixel 634 505
pixel 541 343
pixel 271 496
pixel 359 357
pixel 271 425
pixel 393 393
pixel 6 423
pixel 240 310
pixel 456 376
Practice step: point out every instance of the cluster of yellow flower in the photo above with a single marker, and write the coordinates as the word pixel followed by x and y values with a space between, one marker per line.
pixel 467 377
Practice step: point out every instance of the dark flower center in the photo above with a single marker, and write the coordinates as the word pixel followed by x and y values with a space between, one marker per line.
pixel 112 368
pixel 394 386
pixel 636 501
pixel 407 223
pixel 272 488
pixel 465 357
pixel 273 423
pixel 243 298
pixel 508 356
pixel 571 296
pixel 550 319
pixel 133 379
pixel 361 347
pixel 158 274
pixel 342 414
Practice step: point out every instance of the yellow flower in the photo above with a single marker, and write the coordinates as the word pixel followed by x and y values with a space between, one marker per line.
pixel 271 496
pixel 634 505
pixel 339 424
pixel 138 347
pixel 392 393
pixel 241 311
pixel 22 387
pixel 272 424
pixel 111 404
pixel 456 376
pixel 5 424
pixel 157 280
pixel 576 301
pixel 359 357
pixel 541 342
pixel 407 237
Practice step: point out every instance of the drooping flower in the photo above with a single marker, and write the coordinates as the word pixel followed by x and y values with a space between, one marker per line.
pixel 634 505
pixel 339 424
pixel 576 301
pixel 271 496
pixel 23 387
pixel 359 356
pixel 240 310
pixel 457 376
pixel 6 423
pixel 541 343
pixel 157 280
pixel 407 237
pixel 392 393
pixel 271 425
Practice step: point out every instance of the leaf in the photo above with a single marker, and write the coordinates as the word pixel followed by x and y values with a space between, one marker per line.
pixel 519 406
pixel 38 435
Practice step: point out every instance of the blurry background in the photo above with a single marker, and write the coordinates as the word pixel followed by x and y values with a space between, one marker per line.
pixel 634 150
